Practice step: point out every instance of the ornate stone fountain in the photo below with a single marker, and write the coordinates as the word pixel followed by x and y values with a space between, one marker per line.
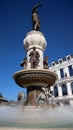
pixel 37 79
pixel 35 73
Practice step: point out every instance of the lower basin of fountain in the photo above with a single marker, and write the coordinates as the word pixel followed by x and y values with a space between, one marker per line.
pixel 36 117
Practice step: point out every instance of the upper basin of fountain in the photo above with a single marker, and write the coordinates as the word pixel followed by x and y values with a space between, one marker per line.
pixel 35 77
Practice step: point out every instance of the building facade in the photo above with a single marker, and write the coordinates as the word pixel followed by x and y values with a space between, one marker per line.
pixel 63 88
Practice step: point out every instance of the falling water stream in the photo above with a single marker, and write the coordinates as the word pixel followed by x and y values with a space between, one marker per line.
pixel 58 117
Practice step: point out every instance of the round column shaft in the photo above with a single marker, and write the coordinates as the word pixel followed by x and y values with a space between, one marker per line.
pixel 32 95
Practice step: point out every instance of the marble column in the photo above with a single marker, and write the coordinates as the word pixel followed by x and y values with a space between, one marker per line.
pixel 59 90
pixel 69 88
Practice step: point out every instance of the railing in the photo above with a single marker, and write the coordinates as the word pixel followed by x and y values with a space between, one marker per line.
pixel 63 98
pixel 65 79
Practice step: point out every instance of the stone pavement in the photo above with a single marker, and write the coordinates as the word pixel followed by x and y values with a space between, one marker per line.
pixel 8 128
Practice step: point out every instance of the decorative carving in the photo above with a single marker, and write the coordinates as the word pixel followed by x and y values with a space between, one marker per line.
pixel 46 96
pixel 34 58
pixel 41 96
pixel 35 18
pixel 34 37
pixel 39 78
pixel 21 98
pixel 45 63
pixel 50 97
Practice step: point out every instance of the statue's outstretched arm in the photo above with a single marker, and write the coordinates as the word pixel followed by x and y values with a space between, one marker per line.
pixel 35 7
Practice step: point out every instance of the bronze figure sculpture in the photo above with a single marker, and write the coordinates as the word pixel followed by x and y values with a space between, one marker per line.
pixel 34 58
pixel 24 63
pixel 45 63
pixel 35 18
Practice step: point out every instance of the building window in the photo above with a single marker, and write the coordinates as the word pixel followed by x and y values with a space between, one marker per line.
pixel 72 87
pixel 62 73
pixel 64 90
pixel 68 57
pixel 70 70
pixel 53 64
pixel 60 61
pixel 64 59
pixel 55 91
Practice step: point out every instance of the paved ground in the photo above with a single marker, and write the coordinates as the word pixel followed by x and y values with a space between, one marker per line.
pixel 1 128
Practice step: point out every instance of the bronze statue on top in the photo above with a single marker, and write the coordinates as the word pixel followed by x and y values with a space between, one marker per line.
pixel 34 58
pixel 35 18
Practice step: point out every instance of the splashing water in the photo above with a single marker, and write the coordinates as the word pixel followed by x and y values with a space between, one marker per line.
pixel 59 117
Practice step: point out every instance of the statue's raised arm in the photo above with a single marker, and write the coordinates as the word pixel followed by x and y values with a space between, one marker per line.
pixel 35 7
pixel 35 18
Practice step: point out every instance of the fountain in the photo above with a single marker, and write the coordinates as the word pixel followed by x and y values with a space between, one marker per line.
pixel 35 73
pixel 37 111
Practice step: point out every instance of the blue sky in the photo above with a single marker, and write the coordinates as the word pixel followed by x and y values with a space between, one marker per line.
pixel 56 18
